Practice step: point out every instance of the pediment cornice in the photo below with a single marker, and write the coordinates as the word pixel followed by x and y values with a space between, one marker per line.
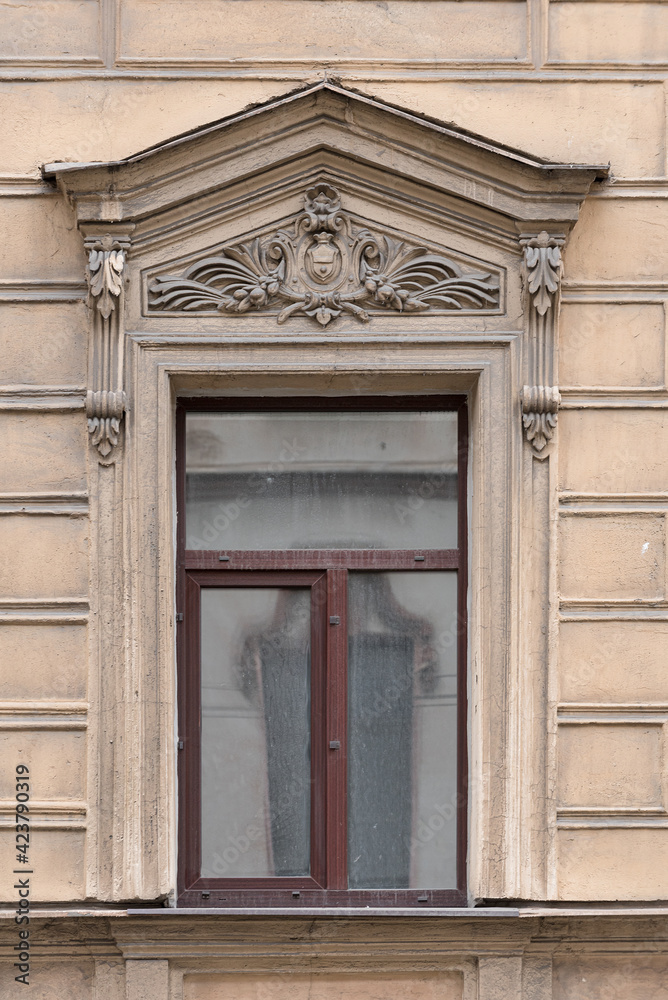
pixel 327 119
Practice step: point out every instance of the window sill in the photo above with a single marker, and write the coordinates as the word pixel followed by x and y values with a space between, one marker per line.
pixel 329 911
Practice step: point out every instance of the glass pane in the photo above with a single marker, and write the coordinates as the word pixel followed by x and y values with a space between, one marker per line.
pixel 402 739
pixel 256 732
pixel 321 480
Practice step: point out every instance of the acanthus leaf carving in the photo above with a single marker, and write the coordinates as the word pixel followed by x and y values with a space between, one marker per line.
pixel 105 269
pixel 543 264
pixel 321 267
pixel 540 399
pixel 105 399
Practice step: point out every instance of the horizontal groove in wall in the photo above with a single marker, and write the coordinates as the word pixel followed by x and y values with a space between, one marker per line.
pixel 362 72
pixel 309 62
pixel 574 610
pixel 595 511
pixel 53 508
pixel 611 811
pixel 27 390
pixel 613 503
pixel 358 64
pixel 79 497
pixel 43 611
pixel 606 715
pixel 54 807
pixel 23 187
pixel 604 287
pixel 616 821
pixel 57 62
pixel 616 392
pixel 607 613
pixel 613 706
pixel 615 295
pixel 571 605
pixel 568 495
pixel 42 722
pixel 43 401
pixel 630 189
pixel 610 65
pixel 612 508
pixel 37 709
pixel 29 290
pixel 50 815
pixel 612 402
pixel 47 619
pixel 647 2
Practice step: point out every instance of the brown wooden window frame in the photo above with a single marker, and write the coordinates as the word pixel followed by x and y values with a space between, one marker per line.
pixel 325 572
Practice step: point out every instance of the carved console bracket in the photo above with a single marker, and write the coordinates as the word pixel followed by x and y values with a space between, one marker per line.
pixel 540 399
pixel 105 399
pixel 320 266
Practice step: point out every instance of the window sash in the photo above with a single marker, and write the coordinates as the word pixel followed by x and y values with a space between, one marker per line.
pixel 325 571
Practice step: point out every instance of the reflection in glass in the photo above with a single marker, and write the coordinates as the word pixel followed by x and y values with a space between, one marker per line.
pixel 282 480
pixel 256 743
pixel 402 738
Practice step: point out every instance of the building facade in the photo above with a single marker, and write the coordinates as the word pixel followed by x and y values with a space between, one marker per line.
pixel 334 355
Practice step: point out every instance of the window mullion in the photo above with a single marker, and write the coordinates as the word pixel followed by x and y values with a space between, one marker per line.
pixel 336 742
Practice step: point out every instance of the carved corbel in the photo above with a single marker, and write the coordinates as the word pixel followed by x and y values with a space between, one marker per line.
pixel 105 399
pixel 541 399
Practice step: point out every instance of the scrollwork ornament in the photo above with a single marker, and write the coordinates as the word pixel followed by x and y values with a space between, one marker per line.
pixel 322 267
pixel 540 404
pixel 104 411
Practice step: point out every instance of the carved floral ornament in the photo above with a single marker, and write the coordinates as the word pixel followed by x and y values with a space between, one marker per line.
pixel 541 399
pixel 323 266
pixel 105 400
pixel 105 274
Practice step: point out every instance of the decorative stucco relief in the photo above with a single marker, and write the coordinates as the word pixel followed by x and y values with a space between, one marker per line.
pixel 105 399
pixel 541 399
pixel 321 266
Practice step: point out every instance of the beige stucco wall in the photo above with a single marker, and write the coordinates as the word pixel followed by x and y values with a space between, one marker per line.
pixel 575 81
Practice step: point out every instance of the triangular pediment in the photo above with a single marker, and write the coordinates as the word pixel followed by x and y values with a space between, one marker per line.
pixel 389 146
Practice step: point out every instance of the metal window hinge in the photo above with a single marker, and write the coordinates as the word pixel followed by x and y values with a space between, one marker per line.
pixel 334 620
pixel 180 744
pixel 179 616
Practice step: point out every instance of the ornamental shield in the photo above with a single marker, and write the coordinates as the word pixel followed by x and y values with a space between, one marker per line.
pixel 323 258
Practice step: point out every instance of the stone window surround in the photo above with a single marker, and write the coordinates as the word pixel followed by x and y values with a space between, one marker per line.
pixel 140 362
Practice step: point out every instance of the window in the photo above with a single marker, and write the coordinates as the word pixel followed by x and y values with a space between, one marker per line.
pixel 322 663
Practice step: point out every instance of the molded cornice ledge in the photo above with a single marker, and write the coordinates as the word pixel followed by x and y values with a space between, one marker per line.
pixel 328 118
